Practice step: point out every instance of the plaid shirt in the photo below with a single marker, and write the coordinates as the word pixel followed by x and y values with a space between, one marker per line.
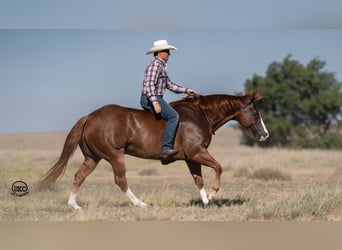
pixel 156 81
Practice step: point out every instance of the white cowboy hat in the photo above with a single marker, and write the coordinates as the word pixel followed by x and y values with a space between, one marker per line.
pixel 159 46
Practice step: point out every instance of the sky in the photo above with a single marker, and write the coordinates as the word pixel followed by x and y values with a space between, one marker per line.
pixel 60 60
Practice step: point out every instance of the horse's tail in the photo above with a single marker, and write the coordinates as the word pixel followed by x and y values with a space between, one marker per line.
pixel 73 139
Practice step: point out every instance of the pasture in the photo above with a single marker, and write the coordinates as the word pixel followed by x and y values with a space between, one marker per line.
pixel 257 184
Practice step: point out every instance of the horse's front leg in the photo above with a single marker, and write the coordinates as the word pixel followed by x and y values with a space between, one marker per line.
pixel 203 157
pixel 196 173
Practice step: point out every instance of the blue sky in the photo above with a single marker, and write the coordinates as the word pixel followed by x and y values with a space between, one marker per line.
pixel 60 60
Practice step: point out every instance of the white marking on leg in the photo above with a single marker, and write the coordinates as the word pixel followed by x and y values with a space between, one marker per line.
pixel 72 201
pixel 135 200
pixel 204 196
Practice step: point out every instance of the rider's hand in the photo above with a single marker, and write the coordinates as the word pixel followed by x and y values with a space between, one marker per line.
pixel 191 92
pixel 156 107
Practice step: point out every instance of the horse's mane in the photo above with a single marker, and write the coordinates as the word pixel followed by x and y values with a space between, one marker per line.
pixel 213 101
pixel 186 100
pixel 210 102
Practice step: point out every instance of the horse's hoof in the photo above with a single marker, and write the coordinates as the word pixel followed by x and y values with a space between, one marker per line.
pixel 211 203
pixel 75 206
pixel 143 205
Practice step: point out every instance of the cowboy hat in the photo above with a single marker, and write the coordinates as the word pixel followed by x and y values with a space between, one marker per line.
pixel 159 46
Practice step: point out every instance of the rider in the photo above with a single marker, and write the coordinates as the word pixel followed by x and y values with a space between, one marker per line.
pixel 155 82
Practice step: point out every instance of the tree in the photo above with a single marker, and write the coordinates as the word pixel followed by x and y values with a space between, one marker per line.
pixel 301 105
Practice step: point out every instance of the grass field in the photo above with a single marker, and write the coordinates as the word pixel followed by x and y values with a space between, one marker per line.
pixel 257 184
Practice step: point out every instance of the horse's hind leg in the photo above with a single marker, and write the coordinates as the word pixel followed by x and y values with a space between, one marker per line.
pixel 119 169
pixel 87 167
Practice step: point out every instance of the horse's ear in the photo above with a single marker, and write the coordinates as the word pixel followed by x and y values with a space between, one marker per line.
pixel 254 96
pixel 257 96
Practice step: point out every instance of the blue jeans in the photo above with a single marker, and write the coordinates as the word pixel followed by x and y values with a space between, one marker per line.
pixel 169 114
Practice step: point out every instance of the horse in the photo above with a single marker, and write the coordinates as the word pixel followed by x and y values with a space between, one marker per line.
pixel 112 131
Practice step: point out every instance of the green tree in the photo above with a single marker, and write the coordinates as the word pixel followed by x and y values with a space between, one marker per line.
pixel 301 105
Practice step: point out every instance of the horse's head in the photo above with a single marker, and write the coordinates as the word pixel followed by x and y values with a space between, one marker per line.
pixel 250 117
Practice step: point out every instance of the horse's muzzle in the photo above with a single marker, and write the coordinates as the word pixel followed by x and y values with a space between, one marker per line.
pixel 264 136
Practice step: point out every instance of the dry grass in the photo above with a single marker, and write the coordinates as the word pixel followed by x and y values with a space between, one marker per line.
pixel 257 184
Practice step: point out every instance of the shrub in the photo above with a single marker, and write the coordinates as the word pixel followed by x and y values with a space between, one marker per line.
pixel 269 174
pixel 330 141
pixel 241 172
pixel 148 172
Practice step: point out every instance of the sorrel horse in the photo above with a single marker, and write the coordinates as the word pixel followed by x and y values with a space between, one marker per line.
pixel 113 131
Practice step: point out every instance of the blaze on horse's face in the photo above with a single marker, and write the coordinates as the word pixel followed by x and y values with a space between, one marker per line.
pixel 251 119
